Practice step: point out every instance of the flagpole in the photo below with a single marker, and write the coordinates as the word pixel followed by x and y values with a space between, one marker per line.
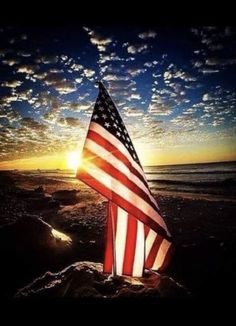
pixel 113 241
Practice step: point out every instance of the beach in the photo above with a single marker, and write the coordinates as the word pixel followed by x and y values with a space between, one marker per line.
pixel 48 223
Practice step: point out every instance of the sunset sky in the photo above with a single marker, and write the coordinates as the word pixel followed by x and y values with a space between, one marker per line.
pixel 175 89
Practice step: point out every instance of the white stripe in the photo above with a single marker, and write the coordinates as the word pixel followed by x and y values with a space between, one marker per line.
pixel 162 251
pixel 108 157
pixel 149 242
pixel 139 251
pixel 120 189
pixel 121 230
pixel 119 145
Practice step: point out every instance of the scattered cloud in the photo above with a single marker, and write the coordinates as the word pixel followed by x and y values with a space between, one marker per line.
pixel 147 35
pixel 11 83
pixel 137 48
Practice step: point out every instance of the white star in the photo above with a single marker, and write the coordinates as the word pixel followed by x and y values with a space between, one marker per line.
pixel 95 117
pixel 104 116
pixel 107 124
pixel 112 118
pixel 126 145
pixel 125 131
pixel 101 108
pixel 128 139
pixel 118 133
pixel 115 125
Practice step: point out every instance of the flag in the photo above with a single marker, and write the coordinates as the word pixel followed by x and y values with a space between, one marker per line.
pixel 132 245
pixel 111 166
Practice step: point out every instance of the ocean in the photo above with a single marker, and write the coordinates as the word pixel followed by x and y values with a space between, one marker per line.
pixel 204 178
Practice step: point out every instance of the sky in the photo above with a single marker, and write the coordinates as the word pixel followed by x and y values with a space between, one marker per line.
pixel 175 89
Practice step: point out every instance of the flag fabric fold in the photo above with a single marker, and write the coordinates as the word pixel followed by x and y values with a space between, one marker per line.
pixel 137 235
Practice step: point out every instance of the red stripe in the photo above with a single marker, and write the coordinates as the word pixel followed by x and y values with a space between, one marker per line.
pixel 97 138
pixel 109 251
pixel 130 246
pixel 146 230
pixel 113 212
pixel 118 175
pixel 153 252
pixel 120 201
pixel 108 259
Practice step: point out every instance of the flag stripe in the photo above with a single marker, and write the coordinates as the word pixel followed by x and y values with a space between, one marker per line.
pixel 167 258
pixel 130 248
pixel 120 239
pixel 150 238
pixel 108 259
pixel 101 152
pixel 117 174
pixel 151 257
pixel 115 152
pixel 161 254
pixel 118 145
pixel 124 197
pixel 140 251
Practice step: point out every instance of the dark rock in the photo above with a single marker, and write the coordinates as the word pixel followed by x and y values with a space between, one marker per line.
pixel 86 280
pixel 66 197
pixel 39 190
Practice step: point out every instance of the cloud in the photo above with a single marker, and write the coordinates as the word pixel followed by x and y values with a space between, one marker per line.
pixel 33 124
pixel 150 64
pixel 97 39
pixel 206 71
pixel 220 61
pixel 169 74
pixel 147 35
pixel 111 77
pixel 11 83
pixel 69 122
pixel 65 87
pixel 10 62
pixel 49 59
pixel 206 97
pixel 136 71
pixel 24 54
pixel 159 109
pixel 59 83
pixel 89 73
pixel 27 69
pixel 135 97
pixel 137 48
pixel 133 112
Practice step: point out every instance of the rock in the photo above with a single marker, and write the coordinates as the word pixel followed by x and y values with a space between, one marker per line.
pixel 66 197
pixel 86 280
pixel 29 232
pixel 39 190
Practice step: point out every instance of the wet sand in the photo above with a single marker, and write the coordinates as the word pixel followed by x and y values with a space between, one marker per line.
pixel 203 229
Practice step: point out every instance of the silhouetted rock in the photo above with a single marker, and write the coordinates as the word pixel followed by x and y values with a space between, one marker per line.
pixel 39 190
pixel 86 280
pixel 66 197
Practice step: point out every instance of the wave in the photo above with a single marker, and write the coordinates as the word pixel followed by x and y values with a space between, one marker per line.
pixel 226 182
pixel 192 172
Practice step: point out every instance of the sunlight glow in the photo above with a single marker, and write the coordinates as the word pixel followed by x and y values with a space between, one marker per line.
pixel 73 160
pixel 61 236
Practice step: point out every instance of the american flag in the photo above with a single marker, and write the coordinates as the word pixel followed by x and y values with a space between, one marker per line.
pixel 137 236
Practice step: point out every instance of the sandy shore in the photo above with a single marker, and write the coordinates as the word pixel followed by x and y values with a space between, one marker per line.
pixel 204 232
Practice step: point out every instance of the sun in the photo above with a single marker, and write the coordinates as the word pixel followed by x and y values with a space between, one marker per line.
pixel 73 160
